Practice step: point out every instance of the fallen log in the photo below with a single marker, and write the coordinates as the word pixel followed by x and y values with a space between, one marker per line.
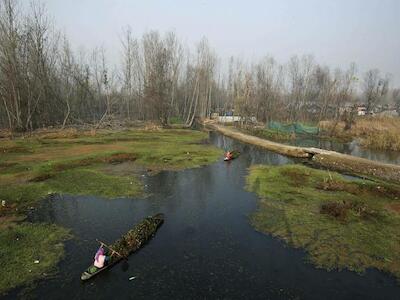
pixel 268 145
pixel 354 165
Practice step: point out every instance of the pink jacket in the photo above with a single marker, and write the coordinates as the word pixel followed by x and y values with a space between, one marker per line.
pixel 99 263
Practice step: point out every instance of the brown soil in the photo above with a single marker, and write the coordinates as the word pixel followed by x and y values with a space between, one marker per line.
pixel 298 178
pixel 14 149
pixel 338 210
pixel 69 133
pixel 113 159
pixel 119 158
pixel 125 168
pixel 51 154
pixel 385 191
pixel 333 185
pixel 8 210
pixel 5 165
pixel 395 207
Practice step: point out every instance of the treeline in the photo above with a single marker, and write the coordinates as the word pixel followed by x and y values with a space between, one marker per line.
pixel 43 82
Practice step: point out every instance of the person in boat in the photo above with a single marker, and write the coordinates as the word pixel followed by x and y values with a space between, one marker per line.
pixel 101 258
pixel 228 155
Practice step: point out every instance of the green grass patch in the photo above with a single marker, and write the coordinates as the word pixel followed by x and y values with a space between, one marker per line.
pixel 176 120
pixel 69 163
pixel 93 182
pixel 340 223
pixel 22 245
pixel 271 134
pixel 21 196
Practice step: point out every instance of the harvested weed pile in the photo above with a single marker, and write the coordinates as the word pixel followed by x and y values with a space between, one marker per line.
pixel 129 243
pixel 138 235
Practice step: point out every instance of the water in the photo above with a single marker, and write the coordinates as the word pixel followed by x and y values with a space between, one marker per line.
pixel 352 148
pixel 205 249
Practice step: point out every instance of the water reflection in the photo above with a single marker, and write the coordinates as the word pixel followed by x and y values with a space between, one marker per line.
pixel 205 249
pixel 253 154
pixel 352 148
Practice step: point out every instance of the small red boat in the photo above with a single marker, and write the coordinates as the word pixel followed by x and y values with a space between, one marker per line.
pixel 231 155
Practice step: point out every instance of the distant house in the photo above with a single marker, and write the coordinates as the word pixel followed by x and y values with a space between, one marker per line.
pixel 229 119
pixel 361 110
pixel 214 116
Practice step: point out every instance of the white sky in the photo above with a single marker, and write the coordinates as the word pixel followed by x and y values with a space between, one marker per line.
pixel 338 32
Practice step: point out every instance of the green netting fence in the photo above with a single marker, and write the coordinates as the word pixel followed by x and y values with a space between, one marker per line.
pixel 297 128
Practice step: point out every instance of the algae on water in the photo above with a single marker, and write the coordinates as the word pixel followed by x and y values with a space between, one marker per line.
pixel 341 223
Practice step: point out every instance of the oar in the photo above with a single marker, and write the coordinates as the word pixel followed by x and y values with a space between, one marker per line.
pixel 104 244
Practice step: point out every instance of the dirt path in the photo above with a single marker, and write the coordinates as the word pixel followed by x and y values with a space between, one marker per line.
pixel 329 159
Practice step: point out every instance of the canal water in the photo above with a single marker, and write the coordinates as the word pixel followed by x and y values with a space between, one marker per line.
pixel 206 248
pixel 351 148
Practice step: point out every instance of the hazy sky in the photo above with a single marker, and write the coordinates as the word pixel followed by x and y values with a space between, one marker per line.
pixel 338 32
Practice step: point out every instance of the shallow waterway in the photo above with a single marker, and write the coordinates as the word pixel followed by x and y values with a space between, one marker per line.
pixel 205 249
pixel 352 148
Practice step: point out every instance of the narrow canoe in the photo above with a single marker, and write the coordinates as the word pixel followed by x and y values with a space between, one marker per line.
pixel 235 154
pixel 133 240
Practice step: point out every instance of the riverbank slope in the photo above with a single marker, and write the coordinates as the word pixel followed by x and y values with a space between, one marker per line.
pixel 341 223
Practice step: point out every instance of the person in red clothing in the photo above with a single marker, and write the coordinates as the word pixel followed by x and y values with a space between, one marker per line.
pixel 228 155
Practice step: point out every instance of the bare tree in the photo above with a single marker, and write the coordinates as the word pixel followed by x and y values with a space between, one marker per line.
pixel 202 83
pixel 269 85
pixel 300 79
pixel 43 81
pixel 396 99
pixel 375 88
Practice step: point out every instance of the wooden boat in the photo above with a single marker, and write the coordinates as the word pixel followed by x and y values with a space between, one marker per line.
pixel 234 154
pixel 133 240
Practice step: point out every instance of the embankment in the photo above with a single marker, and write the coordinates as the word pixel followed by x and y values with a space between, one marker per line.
pixel 328 159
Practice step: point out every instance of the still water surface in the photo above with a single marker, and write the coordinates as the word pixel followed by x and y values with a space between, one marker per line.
pixel 352 148
pixel 205 249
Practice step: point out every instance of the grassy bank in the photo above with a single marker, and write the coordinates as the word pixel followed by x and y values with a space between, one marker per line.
pixel 104 164
pixel 29 252
pixel 270 134
pixel 373 132
pixel 340 223
pixel 82 164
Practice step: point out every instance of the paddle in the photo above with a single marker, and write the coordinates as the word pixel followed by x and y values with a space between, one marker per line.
pixel 113 251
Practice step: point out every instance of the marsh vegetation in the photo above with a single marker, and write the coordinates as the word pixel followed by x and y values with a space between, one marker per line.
pixel 82 123
pixel 341 223
pixel 381 133
pixel 107 164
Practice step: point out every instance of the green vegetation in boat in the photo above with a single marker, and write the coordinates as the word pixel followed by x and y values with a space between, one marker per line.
pixel 132 241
